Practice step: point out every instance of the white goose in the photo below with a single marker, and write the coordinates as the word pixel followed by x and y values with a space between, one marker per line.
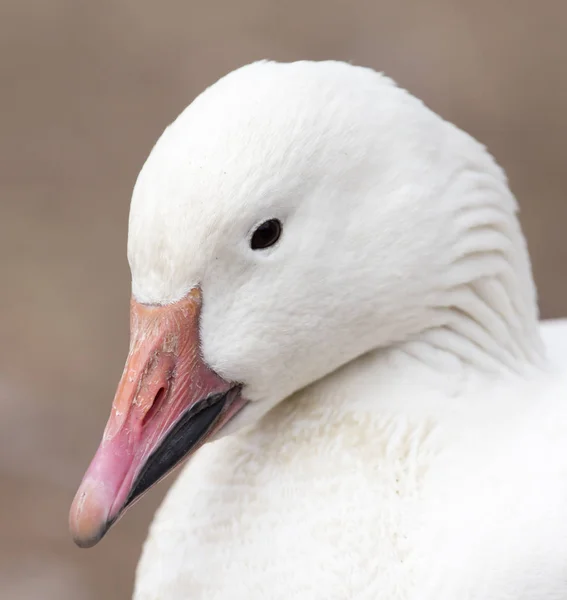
pixel 333 280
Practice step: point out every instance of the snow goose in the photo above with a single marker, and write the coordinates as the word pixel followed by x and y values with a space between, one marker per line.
pixel 330 284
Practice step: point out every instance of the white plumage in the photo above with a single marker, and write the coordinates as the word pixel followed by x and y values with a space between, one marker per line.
pixel 406 434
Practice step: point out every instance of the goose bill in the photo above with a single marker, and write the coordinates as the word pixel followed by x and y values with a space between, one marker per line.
pixel 168 403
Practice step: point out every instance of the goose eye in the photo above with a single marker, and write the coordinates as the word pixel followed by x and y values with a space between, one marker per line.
pixel 266 235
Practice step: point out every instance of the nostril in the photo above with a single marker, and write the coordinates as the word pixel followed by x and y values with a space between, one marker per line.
pixel 156 405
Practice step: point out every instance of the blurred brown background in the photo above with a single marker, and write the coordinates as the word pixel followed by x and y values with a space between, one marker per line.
pixel 87 87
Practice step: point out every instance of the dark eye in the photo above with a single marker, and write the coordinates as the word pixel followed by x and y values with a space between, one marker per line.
pixel 266 235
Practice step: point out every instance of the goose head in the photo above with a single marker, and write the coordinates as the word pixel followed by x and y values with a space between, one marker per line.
pixel 293 218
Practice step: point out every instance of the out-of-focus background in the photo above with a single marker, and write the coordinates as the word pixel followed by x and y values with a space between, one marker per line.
pixel 87 87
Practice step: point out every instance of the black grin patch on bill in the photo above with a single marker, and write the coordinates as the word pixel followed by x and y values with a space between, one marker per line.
pixel 186 433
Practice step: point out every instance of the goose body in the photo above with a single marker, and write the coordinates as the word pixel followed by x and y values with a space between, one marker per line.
pixel 399 497
pixel 402 426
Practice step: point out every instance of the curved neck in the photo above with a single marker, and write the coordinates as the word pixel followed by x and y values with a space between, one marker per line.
pixel 487 313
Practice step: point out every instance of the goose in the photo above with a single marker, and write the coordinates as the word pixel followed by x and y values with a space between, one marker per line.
pixel 333 314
